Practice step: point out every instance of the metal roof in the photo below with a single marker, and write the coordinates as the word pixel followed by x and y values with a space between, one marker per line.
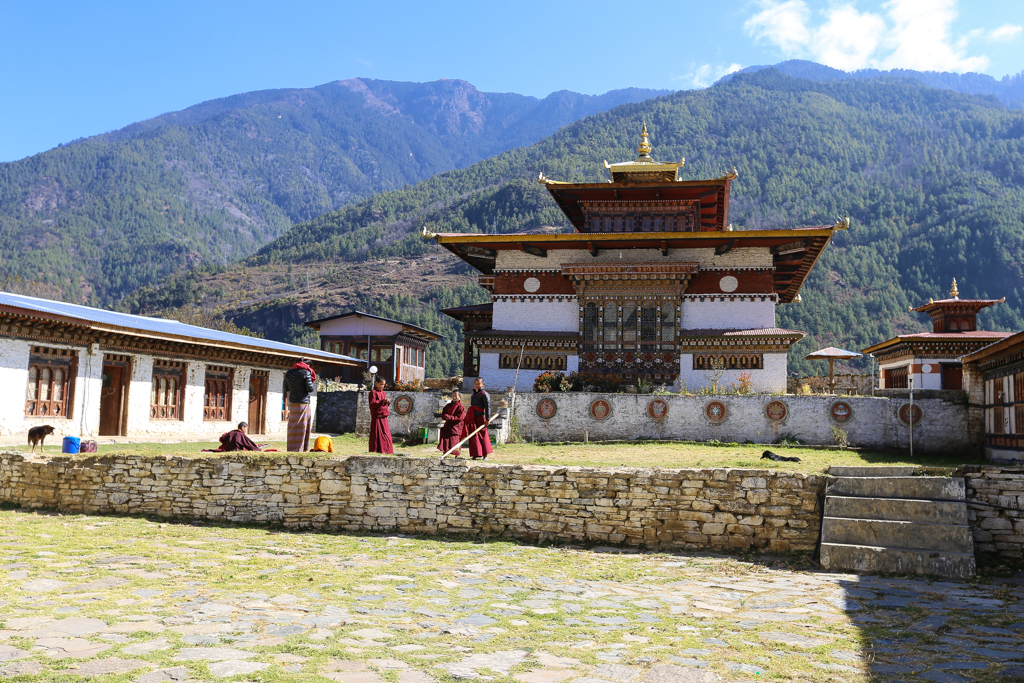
pixel 315 324
pixel 164 328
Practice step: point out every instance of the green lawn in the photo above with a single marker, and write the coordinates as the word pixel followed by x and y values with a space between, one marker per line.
pixel 623 454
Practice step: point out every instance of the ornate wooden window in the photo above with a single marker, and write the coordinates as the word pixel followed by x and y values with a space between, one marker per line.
pixel 728 361
pixel 648 324
pixel 896 378
pixel 629 322
pixel 509 361
pixel 1018 400
pixel 165 397
pixel 51 374
pixel 591 326
pixel 217 394
pixel 611 323
pixel 668 323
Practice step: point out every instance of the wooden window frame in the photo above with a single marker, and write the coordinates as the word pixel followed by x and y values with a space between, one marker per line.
pixel 167 370
pixel 219 384
pixel 44 359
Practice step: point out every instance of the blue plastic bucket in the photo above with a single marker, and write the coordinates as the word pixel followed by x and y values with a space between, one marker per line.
pixel 71 444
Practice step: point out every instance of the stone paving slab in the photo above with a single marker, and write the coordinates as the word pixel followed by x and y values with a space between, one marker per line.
pixel 130 599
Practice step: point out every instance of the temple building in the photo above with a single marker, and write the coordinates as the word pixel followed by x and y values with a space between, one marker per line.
pixel 652 283
pixel 933 358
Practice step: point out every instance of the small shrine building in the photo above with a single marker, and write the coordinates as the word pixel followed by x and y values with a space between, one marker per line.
pixel 997 373
pixel 652 283
pixel 933 358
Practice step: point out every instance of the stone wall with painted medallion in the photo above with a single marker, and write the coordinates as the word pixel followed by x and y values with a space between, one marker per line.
pixel 942 426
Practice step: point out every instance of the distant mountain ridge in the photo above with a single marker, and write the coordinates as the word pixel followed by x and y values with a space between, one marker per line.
pixel 1009 89
pixel 95 219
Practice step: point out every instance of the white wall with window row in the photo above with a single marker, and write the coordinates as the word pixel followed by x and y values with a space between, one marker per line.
pixel 61 385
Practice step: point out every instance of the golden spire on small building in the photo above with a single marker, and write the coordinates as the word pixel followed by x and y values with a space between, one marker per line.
pixel 643 150
pixel 954 293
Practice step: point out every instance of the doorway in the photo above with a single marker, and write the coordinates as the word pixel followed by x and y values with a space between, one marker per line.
pixel 114 395
pixel 258 402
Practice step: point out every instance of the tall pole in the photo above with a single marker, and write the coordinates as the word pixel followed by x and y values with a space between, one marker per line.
pixel 911 416
pixel 831 377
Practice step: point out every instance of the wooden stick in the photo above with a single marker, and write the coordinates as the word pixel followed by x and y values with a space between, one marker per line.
pixel 459 444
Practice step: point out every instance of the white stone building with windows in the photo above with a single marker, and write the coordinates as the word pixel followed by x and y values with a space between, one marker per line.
pixel 91 372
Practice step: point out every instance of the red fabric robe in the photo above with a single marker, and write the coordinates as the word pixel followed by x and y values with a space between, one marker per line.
pixel 451 433
pixel 479 445
pixel 380 430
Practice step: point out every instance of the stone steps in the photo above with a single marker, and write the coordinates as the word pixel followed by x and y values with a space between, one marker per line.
pixel 921 511
pixel 888 533
pixel 950 488
pixel 881 519
pixel 878 560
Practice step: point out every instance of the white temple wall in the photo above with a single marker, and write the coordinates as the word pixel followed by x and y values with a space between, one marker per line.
pixel 722 313
pixel 770 379
pixel 744 257
pixel 536 316
pixel 499 379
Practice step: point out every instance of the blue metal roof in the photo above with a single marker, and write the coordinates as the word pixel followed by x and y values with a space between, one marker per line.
pixel 160 327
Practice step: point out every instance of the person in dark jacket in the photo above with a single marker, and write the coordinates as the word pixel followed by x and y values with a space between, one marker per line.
pixel 299 385
pixel 479 414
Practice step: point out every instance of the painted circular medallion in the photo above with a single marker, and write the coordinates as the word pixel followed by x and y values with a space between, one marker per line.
pixel 657 409
pixel 600 409
pixel 776 411
pixel 546 408
pixel 841 412
pixel 403 404
pixel 728 283
pixel 531 284
pixel 904 414
pixel 715 411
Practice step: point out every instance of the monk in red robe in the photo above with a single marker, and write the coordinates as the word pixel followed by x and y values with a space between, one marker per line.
pixel 451 433
pixel 380 430
pixel 479 414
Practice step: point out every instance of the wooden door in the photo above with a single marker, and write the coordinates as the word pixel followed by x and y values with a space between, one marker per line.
pixel 257 403
pixel 112 400
pixel 953 377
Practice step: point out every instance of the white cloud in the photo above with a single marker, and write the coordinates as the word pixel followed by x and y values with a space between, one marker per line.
pixel 920 38
pixel 706 74
pixel 782 23
pixel 909 34
pixel 1006 32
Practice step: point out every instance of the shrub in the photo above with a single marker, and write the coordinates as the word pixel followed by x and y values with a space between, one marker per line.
pixel 589 381
pixel 415 385
pixel 840 437
pixel 551 381
pixel 745 384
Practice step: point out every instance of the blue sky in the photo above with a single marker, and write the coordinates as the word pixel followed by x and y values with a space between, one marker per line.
pixel 74 69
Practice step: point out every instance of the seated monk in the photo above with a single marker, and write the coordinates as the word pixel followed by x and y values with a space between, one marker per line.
pixel 236 440
pixel 323 444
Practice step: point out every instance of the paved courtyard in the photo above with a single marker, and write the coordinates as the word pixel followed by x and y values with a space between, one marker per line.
pixel 118 599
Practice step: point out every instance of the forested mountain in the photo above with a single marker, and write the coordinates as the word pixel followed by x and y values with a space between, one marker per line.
pixel 933 181
pixel 1009 89
pixel 95 219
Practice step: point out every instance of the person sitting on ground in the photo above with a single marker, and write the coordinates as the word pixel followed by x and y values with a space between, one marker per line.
pixel 323 444
pixel 236 440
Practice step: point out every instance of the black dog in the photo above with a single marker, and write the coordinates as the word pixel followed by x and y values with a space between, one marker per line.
pixel 37 435
pixel 768 455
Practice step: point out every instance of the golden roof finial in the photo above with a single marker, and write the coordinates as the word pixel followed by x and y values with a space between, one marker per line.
pixel 954 293
pixel 643 150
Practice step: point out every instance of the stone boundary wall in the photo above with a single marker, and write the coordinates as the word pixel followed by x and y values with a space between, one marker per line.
pixel 425 405
pixel 336 411
pixel 693 509
pixel 871 422
pixel 996 530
